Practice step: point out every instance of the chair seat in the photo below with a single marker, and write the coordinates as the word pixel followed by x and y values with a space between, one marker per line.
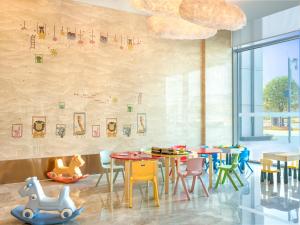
pixel 270 171
pixel 225 167
pixel 292 167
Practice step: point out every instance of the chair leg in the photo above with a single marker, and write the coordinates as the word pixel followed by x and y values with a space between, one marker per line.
pixel 249 167
pixel 271 179
pixel 241 171
pixel 107 178
pixel 185 188
pixel 232 182
pixel 239 179
pixel 203 186
pixel 123 174
pixel 130 193
pixel 101 175
pixel 290 172
pixel 224 177
pixel 162 173
pixel 269 176
pixel 295 174
pixel 155 191
pixel 116 175
pixel 219 178
pixel 193 184
pixel 176 185
pixel 262 176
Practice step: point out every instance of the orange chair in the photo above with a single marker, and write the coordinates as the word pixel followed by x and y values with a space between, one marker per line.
pixel 266 165
pixel 293 166
pixel 144 171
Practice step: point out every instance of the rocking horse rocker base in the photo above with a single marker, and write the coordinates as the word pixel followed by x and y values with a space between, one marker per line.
pixel 65 180
pixel 44 218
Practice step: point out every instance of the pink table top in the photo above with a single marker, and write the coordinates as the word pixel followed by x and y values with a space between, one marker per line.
pixel 208 150
pixel 133 156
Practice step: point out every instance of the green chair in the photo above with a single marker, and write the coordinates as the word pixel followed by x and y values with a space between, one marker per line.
pixel 228 171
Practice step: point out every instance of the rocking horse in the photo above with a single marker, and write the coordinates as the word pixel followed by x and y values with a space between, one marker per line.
pixel 67 174
pixel 38 201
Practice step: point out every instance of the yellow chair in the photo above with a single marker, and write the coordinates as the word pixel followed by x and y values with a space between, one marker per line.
pixel 144 171
pixel 294 165
pixel 267 169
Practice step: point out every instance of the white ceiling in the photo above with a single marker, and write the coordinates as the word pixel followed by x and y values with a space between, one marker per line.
pixel 254 9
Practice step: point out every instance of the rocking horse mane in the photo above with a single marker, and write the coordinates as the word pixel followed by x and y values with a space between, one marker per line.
pixel 76 161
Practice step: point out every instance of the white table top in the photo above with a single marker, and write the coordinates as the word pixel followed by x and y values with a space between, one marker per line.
pixel 282 156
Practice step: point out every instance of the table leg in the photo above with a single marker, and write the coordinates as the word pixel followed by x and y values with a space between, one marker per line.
pixel 227 159
pixel 167 166
pixel 299 170
pixel 285 173
pixel 126 183
pixel 111 186
pixel 173 169
pixel 220 159
pixel 230 159
pixel 210 170
pixel 279 173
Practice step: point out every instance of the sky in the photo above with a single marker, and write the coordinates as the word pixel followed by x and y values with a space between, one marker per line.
pixel 275 60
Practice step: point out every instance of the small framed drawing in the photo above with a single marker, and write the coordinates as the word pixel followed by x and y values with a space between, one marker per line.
pixel 95 130
pixel 17 130
pixel 141 123
pixel 111 127
pixel 127 130
pixel 79 123
pixel 38 126
pixel 60 130
pixel 129 108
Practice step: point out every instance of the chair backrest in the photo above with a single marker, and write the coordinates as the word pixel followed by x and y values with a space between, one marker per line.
pixel 143 170
pixel 244 155
pixel 195 164
pixel 266 164
pixel 234 161
pixel 105 157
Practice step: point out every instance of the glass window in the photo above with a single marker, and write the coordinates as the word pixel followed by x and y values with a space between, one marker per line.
pixel 268 98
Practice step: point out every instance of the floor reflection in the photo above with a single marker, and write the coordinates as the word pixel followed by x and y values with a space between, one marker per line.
pixel 255 203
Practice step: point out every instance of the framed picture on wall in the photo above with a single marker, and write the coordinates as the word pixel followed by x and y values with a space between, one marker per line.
pixel 17 130
pixel 79 123
pixel 111 127
pixel 38 126
pixel 95 130
pixel 60 130
pixel 141 123
pixel 127 130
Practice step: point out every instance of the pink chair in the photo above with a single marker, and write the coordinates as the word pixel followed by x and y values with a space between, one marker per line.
pixel 194 168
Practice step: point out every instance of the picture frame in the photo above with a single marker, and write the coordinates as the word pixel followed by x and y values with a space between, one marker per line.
pixel 17 130
pixel 60 130
pixel 127 130
pixel 95 131
pixel 38 126
pixel 79 123
pixel 111 127
pixel 141 123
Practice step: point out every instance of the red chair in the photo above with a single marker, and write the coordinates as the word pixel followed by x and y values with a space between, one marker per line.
pixel 194 168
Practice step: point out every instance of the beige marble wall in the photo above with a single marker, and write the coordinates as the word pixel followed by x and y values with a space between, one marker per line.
pixel 219 90
pixel 166 72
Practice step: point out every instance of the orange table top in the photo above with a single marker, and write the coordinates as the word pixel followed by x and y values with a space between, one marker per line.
pixel 134 155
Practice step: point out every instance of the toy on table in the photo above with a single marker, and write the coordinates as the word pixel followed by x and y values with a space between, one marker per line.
pixel 67 174
pixel 30 213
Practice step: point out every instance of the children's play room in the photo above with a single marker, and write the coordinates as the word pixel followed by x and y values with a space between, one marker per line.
pixel 150 112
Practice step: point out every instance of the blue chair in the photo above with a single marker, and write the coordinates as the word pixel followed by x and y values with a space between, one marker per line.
pixel 244 160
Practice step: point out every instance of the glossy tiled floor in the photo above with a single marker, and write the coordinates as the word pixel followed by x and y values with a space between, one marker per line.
pixel 253 204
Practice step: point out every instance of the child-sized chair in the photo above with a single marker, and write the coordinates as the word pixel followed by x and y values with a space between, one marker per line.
pixel 194 168
pixel 105 162
pixel 228 170
pixel 145 170
pixel 293 166
pixel 244 160
pixel 266 169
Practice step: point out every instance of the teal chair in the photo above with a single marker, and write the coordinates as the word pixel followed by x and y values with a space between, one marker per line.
pixel 228 170
pixel 105 162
